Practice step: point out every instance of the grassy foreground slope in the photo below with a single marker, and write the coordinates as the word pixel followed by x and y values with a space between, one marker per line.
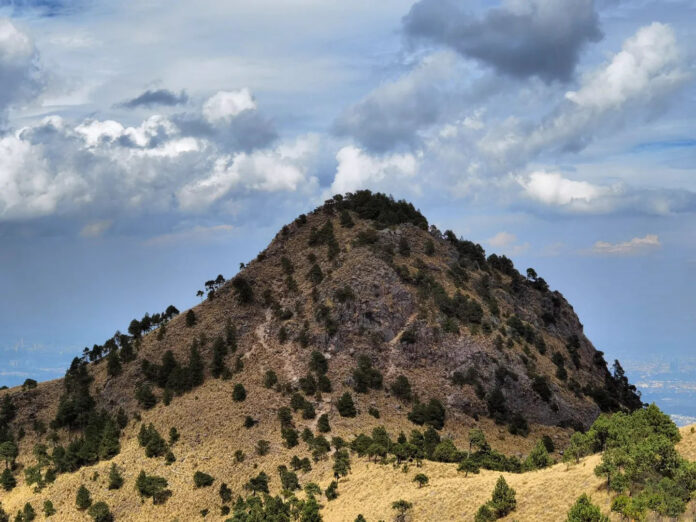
pixel 210 425
pixel 543 495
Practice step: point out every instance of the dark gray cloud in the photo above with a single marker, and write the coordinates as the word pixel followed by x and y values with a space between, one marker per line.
pixel 150 98
pixel 249 130
pixel 392 114
pixel 21 78
pixel 48 8
pixel 395 113
pixel 540 38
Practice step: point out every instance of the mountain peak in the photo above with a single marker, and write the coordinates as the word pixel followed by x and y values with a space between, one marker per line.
pixel 357 316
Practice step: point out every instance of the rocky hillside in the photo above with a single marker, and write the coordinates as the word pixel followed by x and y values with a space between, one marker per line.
pixel 357 315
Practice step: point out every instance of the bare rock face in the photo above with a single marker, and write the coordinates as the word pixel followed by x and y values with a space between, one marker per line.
pixel 432 307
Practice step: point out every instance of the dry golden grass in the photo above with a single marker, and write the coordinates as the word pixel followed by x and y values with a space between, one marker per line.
pixel 544 495
pixel 210 424
pixel 687 445
pixel 208 445
pixel 370 489
pixel 541 495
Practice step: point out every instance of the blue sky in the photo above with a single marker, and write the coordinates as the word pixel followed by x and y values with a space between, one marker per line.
pixel 146 148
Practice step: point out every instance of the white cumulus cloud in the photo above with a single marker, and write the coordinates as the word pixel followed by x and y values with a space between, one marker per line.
pixel 502 239
pixel 647 64
pixel 552 188
pixel 507 242
pixel 225 105
pixel 28 188
pixel 358 169
pixel 269 170
pixel 635 246
pixel 98 169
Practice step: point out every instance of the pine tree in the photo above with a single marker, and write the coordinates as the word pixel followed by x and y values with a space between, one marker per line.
pixel 190 318
pixel 239 393
pixel 195 366
pixel 477 439
pixel 28 513
pixel 585 511
pixel 100 512
pixel 134 328
pixel 127 354
pixel 156 446
pixel 341 465
pixel 484 514
pixel 346 220
pixel 323 424
pixel 315 275
pixel 258 484
pixel 262 447
pixel 401 388
pixel 166 369
pixel 167 396
pixel 503 501
pixel 308 411
pixel 421 479
pixel 145 397
pixel 290 437
pixel 324 384
pixel 152 486
pixel 332 491
pixel 121 418
pixel 346 406
pixel 7 480
pixel 109 445
pixel 225 493
pixel 83 499
pixel 115 477
pixel 8 452
pixel 48 509
pixel 318 363
pixel 288 479
pixel 310 511
pixel 468 466
pixel 538 458
pixel 429 247
pixel 401 507
pixel 243 289
pixel 270 379
pixel 219 354
pixel 202 480
pixel 113 364
pixel 169 458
